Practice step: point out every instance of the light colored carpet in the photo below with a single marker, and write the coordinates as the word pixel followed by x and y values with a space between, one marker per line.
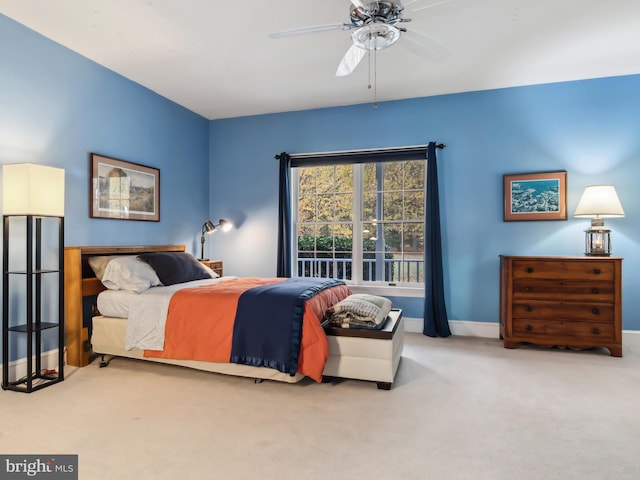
pixel 461 408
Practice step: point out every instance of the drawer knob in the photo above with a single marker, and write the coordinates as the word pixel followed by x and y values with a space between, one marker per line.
pixel 597 271
pixel 595 311
pixel 529 270
pixel 595 290
pixel 528 308
pixel 528 289
pixel 595 331
pixel 528 328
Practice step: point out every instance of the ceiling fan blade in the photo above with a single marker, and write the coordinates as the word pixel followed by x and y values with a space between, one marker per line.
pixel 424 45
pixel 313 29
pixel 350 61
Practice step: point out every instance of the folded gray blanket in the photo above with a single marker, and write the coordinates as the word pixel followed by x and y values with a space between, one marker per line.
pixel 360 310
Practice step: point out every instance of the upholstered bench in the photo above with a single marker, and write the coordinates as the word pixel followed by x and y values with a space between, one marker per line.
pixel 364 354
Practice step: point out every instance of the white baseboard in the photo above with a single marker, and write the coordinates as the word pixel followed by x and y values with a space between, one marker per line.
pixel 18 368
pixel 468 328
pixel 458 327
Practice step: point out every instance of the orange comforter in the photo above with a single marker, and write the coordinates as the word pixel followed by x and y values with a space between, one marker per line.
pixel 200 324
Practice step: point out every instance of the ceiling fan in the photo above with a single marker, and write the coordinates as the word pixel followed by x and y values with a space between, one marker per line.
pixel 376 25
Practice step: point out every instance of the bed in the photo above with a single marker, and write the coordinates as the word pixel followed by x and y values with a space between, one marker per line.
pixel 350 353
pixel 88 331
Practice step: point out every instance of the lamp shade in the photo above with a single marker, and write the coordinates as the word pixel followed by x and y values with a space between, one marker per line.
pixel 599 201
pixel 30 189
pixel 225 225
pixel 208 227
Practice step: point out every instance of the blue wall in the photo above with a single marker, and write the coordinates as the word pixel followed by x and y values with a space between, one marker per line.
pixel 57 106
pixel 589 128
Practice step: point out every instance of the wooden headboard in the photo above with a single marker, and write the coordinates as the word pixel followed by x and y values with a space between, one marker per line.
pixel 80 282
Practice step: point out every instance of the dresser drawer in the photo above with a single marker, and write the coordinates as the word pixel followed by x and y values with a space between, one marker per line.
pixel 542 310
pixel 597 291
pixel 563 269
pixel 583 332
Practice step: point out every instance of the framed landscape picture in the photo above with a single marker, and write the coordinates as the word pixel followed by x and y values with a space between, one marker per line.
pixel 535 196
pixel 123 190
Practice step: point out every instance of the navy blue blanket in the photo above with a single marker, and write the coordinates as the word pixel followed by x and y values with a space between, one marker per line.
pixel 268 327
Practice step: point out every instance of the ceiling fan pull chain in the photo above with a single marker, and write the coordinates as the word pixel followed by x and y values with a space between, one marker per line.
pixel 369 66
pixel 375 78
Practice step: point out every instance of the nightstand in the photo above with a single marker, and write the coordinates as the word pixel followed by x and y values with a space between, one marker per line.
pixel 215 265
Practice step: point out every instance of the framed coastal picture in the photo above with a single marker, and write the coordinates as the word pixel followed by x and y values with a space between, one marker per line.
pixel 123 190
pixel 535 196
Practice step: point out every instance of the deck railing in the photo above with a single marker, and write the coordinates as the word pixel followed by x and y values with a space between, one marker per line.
pixel 395 270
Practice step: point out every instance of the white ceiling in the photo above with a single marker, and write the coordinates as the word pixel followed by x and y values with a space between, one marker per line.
pixel 214 56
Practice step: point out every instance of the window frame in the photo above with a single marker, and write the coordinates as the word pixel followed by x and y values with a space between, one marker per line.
pixel 356 157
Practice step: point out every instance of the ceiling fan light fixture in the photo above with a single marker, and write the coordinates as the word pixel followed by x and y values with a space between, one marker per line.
pixel 366 12
pixel 375 36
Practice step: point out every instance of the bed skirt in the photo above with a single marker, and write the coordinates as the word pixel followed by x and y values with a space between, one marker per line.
pixel 349 357
pixel 108 338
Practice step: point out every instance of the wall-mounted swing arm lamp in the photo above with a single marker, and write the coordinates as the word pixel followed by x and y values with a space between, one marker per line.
pixel 209 227
pixel 598 202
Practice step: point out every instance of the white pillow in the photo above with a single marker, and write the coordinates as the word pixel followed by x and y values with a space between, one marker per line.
pixel 99 264
pixel 129 273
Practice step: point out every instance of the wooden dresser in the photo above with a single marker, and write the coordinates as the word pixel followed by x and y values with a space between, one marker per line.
pixel 561 301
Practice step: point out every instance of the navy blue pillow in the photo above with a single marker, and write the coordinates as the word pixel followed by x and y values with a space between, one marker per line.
pixel 175 267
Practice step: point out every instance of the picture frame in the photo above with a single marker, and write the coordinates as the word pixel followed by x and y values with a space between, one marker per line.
pixel 535 196
pixel 121 190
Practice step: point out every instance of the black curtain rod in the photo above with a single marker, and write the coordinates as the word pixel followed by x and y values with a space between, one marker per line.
pixel 355 152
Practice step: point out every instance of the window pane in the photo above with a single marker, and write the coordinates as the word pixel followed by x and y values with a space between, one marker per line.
pixel 369 206
pixel 344 230
pixel 392 206
pixel 414 205
pixel 306 232
pixel 325 179
pixel 323 243
pixel 307 208
pixel 369 183
pixel 344 206
pixel 369 235
pixel 372 262
pixel 306 181
pixel 393 175
pixel 325 208
pixel 414 172
pixel 393 237
pixel 413 238
pixel 323 230
pixel 392 268
pixel 344 178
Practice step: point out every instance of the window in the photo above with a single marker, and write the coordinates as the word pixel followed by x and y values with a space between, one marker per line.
pixel 363 222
